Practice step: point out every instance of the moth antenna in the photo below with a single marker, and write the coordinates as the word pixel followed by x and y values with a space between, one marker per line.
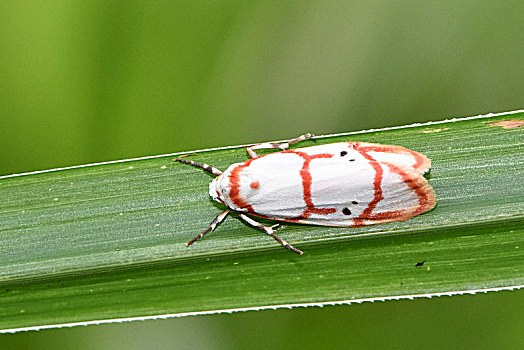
pixel 204 166
pixel 220 217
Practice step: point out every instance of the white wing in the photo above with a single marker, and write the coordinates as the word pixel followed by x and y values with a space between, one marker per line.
pixel 340 184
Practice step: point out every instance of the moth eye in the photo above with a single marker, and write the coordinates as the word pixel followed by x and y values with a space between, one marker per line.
pixel 346 211
pixel 343 153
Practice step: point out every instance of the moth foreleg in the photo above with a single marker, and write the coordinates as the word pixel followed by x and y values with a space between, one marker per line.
pixel 269 231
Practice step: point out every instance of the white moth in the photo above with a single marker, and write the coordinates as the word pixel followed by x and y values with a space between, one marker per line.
pixel 348 184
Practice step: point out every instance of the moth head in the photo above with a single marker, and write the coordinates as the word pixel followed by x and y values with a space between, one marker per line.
pixel 213 189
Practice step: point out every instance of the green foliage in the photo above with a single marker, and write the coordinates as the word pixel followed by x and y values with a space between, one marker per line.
pixel 107 241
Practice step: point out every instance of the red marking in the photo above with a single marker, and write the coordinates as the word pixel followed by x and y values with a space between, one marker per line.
pixel 306 185
pixel 377 187
pixel 422 163
pixel 255 185
pixel 234 183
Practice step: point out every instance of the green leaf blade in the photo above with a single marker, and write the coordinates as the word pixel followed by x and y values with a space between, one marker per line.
pixel 107 241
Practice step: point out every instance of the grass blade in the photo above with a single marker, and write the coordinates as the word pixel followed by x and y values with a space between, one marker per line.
pixel 107 241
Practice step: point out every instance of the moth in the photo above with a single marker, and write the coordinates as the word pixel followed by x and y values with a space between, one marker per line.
pixel 346 184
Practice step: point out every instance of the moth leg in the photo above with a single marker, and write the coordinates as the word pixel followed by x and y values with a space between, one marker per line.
pixel 280 146
pixel 269 231
pixel 220 217
pixel 204 166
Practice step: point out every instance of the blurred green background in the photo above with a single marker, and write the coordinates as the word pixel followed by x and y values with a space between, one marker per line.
pixel 89 81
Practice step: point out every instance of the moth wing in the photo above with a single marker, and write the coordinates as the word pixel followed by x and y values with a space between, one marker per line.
pixel 356 184
pixel 360 197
